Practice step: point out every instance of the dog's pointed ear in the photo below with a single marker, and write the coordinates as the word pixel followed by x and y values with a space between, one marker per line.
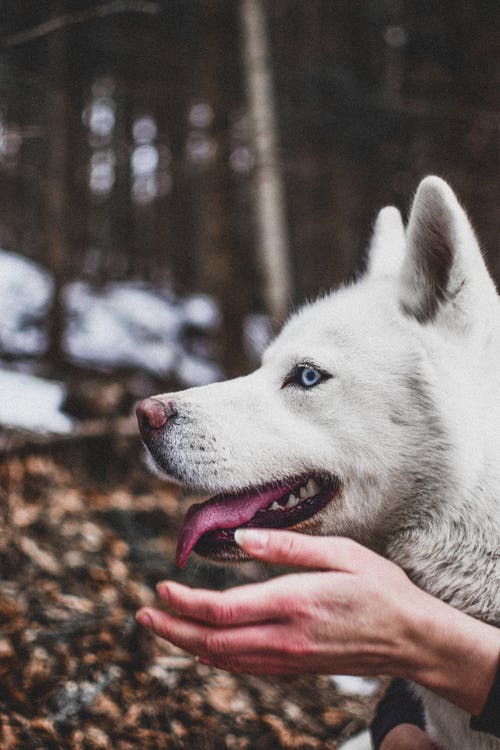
pixel 443 263
pixel 385 253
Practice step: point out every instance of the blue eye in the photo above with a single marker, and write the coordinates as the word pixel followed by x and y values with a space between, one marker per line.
pixel 308 376
pixel 305 376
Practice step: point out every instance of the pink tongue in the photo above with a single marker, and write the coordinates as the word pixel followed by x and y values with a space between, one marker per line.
pixel 221 513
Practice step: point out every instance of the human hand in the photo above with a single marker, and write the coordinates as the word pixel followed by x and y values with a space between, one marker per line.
pixel 408 737
pixel 353 614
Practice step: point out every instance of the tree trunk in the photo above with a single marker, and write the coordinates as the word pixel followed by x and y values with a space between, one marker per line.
pixel 272 233
pixel 56 234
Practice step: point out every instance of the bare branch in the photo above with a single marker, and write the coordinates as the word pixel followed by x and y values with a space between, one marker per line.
pixel 72 19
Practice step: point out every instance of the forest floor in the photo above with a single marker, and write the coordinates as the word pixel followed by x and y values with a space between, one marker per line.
pixel 85 534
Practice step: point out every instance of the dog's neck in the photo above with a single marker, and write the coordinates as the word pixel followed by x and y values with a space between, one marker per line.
pixel 454 558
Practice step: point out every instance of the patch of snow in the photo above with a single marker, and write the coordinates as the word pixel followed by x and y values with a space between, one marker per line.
pixel 352 685
pixel 124 324
pixel 25 294
pixel 361 741
pixel 201 311
pixel 32 403
pixel 128 324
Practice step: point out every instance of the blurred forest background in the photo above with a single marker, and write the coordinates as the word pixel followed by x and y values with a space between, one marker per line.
pixel 128 169
pixel 174 175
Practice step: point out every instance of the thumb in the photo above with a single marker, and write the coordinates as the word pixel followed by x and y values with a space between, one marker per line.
pixel 291 548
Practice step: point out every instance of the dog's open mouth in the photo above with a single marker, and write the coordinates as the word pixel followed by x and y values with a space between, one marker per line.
pixel 209 527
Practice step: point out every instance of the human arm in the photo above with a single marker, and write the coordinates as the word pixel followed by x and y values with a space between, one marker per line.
pixel 357 613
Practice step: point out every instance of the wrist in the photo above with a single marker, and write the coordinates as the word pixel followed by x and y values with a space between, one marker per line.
pixel 454 655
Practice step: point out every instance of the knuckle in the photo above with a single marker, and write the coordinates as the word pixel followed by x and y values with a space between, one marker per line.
pixel 300 610
pixel 297 648
pixel 291 606
pixel 211 611
pixel 347 545
pixel 353 552
pixel 215 643
pixel 288 544
pixel 226 614
pixel 219 611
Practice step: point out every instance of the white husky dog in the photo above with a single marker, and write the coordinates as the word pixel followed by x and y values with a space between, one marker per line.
pixel 375 415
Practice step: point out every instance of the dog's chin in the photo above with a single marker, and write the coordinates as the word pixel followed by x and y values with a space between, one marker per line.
pixel 156 467
pixel 220 551
pixel 172 475
pixel 298 508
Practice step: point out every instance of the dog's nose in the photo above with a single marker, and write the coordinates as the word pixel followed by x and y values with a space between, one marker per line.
pixel 153 414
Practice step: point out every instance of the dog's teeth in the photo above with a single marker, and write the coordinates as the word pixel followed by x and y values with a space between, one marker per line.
pixel 308 490
pixel 312 487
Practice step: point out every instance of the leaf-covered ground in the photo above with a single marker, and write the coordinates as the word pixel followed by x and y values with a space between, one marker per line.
pixel 85 534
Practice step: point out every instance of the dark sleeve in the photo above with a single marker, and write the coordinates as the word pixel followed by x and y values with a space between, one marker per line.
pixel 398 706
pixel 489 718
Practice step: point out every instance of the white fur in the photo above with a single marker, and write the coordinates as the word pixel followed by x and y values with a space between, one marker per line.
pixel 388 243
pixel 409 422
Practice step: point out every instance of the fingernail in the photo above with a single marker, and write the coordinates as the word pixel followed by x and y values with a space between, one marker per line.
pixel 144 618
pixel 251 539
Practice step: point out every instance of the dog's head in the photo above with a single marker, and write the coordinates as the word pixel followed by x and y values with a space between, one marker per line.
pixel 348 426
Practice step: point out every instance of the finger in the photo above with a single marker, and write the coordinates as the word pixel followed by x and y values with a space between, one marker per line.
pixel 256 664
pixel 191 636
pixel 251 603
pixel 209 642
pixel 291 548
